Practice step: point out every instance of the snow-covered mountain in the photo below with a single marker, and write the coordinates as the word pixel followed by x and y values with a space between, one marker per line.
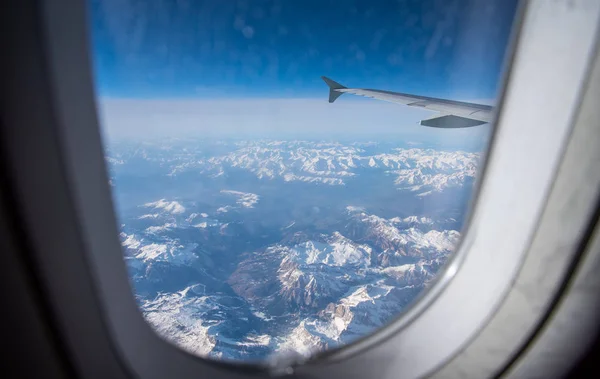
pixel 230 268
pixel 169 206
pixel 339 289
pixel 414 169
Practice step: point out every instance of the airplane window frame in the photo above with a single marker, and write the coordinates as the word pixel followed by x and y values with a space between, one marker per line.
pixel 80 258
pixel 580 300
pixel 552 287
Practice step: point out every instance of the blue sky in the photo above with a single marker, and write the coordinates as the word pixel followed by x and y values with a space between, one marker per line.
pixel 266 49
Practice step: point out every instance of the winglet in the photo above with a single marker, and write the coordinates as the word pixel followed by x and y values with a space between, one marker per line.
pixel 333 87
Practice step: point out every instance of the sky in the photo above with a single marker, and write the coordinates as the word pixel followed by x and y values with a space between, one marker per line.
pixel 166 67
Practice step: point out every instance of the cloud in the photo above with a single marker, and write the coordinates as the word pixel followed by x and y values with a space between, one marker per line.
pixel 272 118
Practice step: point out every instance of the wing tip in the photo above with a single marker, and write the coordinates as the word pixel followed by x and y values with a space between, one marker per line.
pixel 332 83
pixel 333 88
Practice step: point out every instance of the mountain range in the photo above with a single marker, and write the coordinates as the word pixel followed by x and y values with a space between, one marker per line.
pixel 254 249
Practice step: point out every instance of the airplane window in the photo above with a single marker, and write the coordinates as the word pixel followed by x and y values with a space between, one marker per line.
pixel 289 176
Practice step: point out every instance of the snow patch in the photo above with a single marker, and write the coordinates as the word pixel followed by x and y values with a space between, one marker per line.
pixel 244 199
pixel 172 207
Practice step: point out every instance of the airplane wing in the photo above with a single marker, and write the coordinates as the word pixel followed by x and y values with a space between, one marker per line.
pixel 452 114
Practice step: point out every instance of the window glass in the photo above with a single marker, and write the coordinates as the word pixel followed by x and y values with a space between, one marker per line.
pixel 266 210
